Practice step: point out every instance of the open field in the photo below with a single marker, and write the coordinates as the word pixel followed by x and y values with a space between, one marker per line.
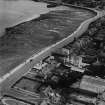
pixel 77 81
pixel 27 38
pixel 23 40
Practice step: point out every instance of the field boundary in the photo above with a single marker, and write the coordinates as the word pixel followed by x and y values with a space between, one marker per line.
pixel 7 80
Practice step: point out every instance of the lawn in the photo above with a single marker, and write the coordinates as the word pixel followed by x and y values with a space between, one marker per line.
pixel 27 38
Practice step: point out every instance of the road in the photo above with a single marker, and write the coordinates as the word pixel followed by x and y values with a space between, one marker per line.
pixel 30 37
pixel 66 34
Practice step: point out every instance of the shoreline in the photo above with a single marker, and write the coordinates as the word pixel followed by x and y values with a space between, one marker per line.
pixel 13 14
pixel 29 63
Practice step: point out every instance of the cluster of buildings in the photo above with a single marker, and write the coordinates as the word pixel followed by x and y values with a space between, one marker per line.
pixel 72 75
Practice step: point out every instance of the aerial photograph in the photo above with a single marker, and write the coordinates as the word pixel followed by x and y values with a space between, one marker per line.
pixel 52 52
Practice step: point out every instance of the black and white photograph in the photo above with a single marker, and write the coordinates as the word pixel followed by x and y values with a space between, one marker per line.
pixel 52 52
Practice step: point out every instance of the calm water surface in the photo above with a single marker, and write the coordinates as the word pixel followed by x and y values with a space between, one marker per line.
pixel 16 11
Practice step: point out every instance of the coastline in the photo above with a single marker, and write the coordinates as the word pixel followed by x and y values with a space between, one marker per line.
pixel 35 58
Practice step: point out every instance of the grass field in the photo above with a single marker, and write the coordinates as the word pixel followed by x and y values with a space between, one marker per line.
pixel 23 40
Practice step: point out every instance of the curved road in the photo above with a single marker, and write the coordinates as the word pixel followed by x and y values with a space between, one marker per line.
pixel 27 38
pixel 31 37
